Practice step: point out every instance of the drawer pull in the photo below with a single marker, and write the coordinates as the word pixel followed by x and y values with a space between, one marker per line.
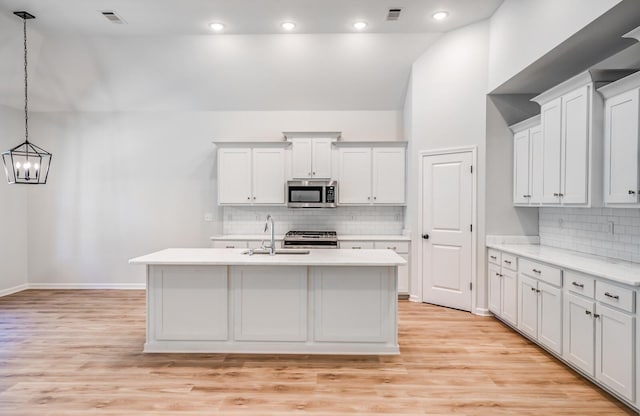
pixel 631 192
pixel 391 248
pixel 587 312
pixel 576 284
pixel 609 295
pixel 493 257
pixel 556 194
pixel 595 315
pixel 229 246
pixel 508 261
pixel 536 271
pixel 356 247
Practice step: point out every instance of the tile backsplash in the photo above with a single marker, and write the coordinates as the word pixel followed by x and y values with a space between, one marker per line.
pixel 587 230
pixel 344 220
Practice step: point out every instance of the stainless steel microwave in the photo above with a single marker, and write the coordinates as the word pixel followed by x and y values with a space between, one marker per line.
pixel 312 194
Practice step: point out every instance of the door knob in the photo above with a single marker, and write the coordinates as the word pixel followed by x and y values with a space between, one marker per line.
pixel 425 236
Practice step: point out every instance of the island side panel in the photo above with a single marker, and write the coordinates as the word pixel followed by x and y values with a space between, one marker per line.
pixel 355 304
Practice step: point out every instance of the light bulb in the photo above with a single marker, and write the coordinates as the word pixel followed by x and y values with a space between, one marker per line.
pixel 27 165
pixel 36 166
pixel 18 165
pixel 360 25
pixel 288 26
pixel 216 26
pixel 440 15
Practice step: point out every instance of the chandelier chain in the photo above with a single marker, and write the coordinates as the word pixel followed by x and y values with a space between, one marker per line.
pixel 26 85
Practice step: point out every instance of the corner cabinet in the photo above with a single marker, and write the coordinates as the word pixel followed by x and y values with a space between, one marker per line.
pixel 251 175
pixel 621 135
pixel 371 175
pixel 570 171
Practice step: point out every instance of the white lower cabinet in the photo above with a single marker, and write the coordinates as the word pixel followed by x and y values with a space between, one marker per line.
pixel 615 350
pixel 540 314
pixel 503 288
pixel 579 334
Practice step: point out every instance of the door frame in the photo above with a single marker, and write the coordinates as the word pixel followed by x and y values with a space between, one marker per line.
pixel 474 216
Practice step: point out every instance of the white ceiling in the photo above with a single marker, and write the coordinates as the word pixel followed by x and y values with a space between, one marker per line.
pixel 153 17
pixel 165 58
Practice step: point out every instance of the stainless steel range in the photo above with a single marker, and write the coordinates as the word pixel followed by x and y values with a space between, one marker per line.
pixel 311 239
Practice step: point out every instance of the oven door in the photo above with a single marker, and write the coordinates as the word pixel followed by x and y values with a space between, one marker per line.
pixel 305 196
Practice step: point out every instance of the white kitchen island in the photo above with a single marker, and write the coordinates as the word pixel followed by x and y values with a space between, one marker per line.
pixel 221 300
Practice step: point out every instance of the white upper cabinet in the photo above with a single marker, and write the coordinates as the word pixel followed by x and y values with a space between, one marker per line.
pixel 354 181
pixel 234 176
pixel 524 187
pixel 251 175
pixel 388 175
pixel 621 134
pixel 570 145
pixel 371 175
pixel 311 158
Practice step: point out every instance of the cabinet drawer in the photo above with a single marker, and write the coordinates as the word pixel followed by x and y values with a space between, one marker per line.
pixel 620 297
pixel 541 271
pixel 580 283
pixel 229 244
pixel 495 257
pixel 510 261
pixel 397 246
pixel 356 245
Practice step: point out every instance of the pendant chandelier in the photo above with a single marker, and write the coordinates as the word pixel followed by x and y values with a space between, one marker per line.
pixel 26 163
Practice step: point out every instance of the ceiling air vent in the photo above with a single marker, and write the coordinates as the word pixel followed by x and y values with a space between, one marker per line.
pixel 113 17
pixel 394 14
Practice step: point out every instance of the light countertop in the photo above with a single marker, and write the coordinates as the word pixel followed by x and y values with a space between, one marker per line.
pixel 341 237
pixel 612 269
pixel 234 257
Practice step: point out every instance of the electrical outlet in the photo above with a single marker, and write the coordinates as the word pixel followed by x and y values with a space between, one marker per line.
pixel 610 227
pixel 208 216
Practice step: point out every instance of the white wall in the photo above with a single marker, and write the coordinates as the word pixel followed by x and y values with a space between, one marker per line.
pixel 13 210
pixel 124 184
pixel 447 109
pixel 522 31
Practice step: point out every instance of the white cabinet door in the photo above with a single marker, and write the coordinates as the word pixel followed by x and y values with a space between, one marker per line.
pixel 550 317
pixel 551 150
pixel 268 176
pixel 579 332
pixel 615 350
pixel 354 182
pixel 536 164
pixel 388 175
pixel 521 168
pixel 509 296
pixel 621 148
pixel 528 306
pixel 575 146
pixel 495 289
pixel 321 158
pixel 234 176
pixel 301 158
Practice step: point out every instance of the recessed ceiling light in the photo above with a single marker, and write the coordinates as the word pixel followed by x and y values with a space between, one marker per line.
pixel 440 15
pixel 360 25
pixel 216 26
pixel 289 26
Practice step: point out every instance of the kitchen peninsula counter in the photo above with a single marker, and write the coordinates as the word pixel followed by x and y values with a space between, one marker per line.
pixel 221 300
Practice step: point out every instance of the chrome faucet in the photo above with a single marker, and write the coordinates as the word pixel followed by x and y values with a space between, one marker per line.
pixel 269 225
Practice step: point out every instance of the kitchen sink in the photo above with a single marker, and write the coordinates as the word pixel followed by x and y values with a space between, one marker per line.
pixel 278 251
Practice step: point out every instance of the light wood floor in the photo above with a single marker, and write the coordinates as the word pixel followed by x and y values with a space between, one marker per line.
pixel 79 353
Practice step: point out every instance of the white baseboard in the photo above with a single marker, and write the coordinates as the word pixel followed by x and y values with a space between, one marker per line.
pixel 483 312
pixel 118 286
pixel 74 286
pixel 12 290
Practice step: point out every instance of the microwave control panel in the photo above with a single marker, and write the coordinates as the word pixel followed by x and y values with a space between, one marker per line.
pixel 330 194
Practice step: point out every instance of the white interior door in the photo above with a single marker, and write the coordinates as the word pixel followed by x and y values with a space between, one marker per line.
pixel 447 204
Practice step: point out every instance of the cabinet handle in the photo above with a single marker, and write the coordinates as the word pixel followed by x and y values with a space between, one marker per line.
pixel 229 246
pixel 538 290
pixel 526 196
pixel 587 312
pixel 249 198
pixel 536 271
pixel 356 248
pixel 369 198
pixel 609 295
pixel 254 198
pixel 493 257
pixel 561 195
pixel 313 173
pixel 375 197
pixel 507 261
pixel 576 284
pixel 631 192
pixel 533 289
pixel 391 248
pixel 595 315
pixel 556 194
